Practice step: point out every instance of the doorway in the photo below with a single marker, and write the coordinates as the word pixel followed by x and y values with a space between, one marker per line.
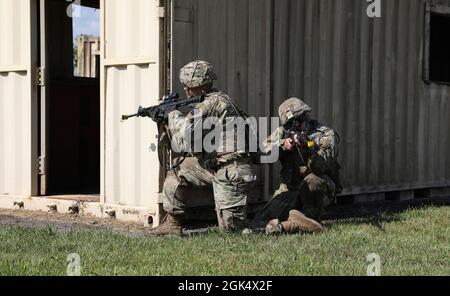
pixel 70 99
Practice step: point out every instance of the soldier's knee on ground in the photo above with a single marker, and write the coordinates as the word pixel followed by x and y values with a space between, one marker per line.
pixel 233 219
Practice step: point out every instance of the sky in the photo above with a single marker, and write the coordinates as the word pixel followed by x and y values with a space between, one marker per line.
pixel 86 22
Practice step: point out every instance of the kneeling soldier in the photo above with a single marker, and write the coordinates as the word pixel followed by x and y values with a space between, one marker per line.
pixel 230 173
pixel 309 174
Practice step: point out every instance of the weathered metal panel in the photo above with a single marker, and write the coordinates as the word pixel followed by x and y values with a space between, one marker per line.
pixel 14 132
pixel 131 167
pixel 18 176
pixel 130 170
pixel 362 76
pixel 14 32
pixel 131 29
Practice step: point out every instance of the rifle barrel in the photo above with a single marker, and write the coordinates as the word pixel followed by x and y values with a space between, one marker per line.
pixel 126 117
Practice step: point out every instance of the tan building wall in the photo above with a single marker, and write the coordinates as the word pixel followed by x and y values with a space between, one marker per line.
pixel 130 71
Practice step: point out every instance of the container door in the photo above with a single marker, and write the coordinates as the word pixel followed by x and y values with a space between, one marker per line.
pixel 43 104
pixel 131 77
pixel 18 98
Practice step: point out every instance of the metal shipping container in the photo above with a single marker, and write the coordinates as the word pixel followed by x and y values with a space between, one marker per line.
pixel 366 77
pixel 363 76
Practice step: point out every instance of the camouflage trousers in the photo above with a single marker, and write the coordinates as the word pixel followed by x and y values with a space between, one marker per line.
pixel 231 185
pixel 312 197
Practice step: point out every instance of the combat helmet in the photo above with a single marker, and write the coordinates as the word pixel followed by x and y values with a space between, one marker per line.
pixel 197 74
pixel 292 108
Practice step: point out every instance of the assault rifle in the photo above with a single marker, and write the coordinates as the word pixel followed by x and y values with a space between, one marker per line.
pixel 159 114
pixel 300 139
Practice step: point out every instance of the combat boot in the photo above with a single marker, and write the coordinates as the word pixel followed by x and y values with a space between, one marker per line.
pixel 274 227
pixel 300 223
pixel 171 226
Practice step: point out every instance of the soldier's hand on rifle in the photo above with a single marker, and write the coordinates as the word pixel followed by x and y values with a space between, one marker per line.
pixel 288 145
pixel 298 139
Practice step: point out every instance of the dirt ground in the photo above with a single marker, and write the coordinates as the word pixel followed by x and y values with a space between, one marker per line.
pixel 371 212
pixel 66 222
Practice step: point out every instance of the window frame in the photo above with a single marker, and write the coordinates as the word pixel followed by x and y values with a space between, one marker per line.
pixel 429 11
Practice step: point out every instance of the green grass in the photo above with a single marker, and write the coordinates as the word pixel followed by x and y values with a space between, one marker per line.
pixel 414 242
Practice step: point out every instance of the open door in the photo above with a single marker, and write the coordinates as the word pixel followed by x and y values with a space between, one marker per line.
pixel 18 98
pixel 131 77
pixel 69 99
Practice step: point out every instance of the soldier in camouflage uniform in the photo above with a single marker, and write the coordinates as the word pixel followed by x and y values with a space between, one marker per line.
pixel 229 172
pixel 309 180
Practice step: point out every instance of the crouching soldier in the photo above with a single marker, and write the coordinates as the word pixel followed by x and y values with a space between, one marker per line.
pixel 309 173
pixel 228 171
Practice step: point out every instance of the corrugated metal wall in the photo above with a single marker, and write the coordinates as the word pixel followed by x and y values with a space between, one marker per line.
pixel 14 32
pixel 14 132
pixel 18 176
pixel 362 76
pixel 131 78
pixel 131 170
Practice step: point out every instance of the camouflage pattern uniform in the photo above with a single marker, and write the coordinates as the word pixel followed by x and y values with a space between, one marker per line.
pixel 228 171
pixel 306 181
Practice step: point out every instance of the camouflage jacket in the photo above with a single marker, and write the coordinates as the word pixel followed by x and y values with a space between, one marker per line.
pixel 215 114
pixel 295 165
